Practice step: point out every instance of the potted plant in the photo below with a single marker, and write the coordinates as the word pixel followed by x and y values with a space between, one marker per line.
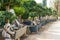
pixel 34 27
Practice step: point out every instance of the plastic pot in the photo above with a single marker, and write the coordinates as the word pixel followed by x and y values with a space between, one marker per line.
pixel 33 29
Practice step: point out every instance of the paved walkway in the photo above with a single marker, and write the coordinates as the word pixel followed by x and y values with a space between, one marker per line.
pixel 52 32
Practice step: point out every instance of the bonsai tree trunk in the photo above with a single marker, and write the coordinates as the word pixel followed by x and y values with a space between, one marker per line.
pixel 33 18
pixel 20 19
pixel 39 18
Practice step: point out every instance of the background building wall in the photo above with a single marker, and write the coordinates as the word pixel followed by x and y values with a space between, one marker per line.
pixel 50 3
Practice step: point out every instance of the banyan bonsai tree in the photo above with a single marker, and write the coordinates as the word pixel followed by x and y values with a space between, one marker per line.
pixel 6 15
pixel 19 11
pixel 33 15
